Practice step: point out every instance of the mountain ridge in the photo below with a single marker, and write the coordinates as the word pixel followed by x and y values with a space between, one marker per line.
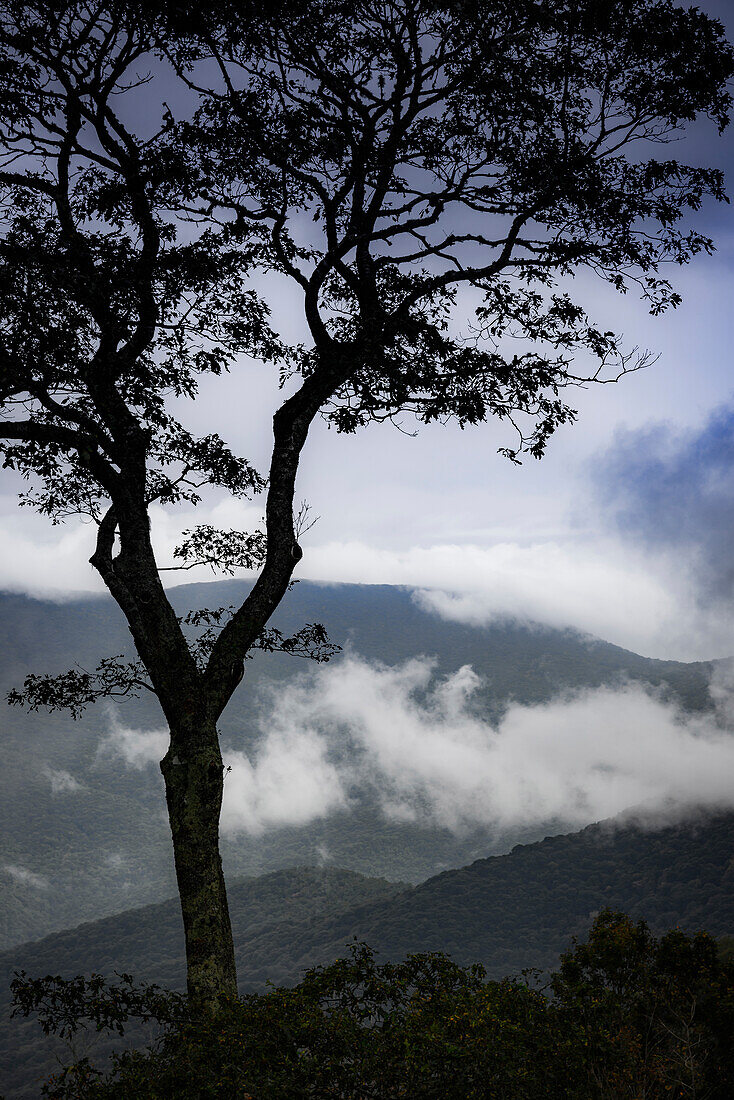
pixel 105 846
pixel 508 912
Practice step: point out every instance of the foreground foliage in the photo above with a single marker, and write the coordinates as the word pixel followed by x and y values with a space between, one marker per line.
pixel 626 1015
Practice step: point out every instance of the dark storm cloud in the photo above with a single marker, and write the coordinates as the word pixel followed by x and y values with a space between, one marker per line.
pixel 669 488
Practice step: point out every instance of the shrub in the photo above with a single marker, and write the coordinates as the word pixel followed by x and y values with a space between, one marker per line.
pixel 626 1015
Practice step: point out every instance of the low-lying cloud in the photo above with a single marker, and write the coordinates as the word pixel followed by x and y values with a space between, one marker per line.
pixel 644 601
pixel 290 781
pixel 620 586
pixel 25 877
pixel 52 562
pixel 62 782
pixel 137 748
pixel 421 745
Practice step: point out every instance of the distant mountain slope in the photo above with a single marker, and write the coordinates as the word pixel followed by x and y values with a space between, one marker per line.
pixel 105 847
pixel 284 899
pixel 525 661
pixel 519 910
pixel 508 912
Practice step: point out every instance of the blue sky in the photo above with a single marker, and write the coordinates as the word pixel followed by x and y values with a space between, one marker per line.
pixel 671 487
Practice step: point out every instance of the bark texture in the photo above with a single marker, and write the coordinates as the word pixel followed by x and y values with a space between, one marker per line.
pixel 194 777
pixel 192 768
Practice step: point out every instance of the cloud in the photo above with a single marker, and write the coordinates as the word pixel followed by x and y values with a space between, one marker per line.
pixel 627 586
pixel 62 782
pixel 624 594
pixel 137 748
pixel 53 562
pixel 290 781
pixel 25 877
pixel 422 747
pixel 42 560
pixel 674 488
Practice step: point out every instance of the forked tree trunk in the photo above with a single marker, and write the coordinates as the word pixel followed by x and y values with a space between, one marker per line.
pixel 194 777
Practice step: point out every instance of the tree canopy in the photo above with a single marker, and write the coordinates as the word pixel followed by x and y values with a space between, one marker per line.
pixel 429 174
pixel 630 1014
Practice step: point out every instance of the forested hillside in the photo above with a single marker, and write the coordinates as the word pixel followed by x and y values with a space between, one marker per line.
pixel 283 899
pixel 508 912
pixel 84 836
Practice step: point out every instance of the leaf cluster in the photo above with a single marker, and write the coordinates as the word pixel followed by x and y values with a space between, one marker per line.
pixel 310 641
pixel 75 689
pixel 389 156
pixel 114 677
pixel 111 300
pixel 629 1015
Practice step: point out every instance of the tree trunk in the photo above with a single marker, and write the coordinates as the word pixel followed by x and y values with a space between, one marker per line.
pixel 194 777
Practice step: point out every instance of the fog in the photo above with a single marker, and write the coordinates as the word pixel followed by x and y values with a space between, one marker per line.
pixel 61 782
pixel 136 747
pixel 23 877
pixel 420 745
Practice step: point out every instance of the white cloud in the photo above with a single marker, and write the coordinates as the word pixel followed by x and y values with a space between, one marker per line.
pixel 421 745
pixel 62 782
pixel 26 877
pixel 44 561
pixel 643 602
pixel 137 748
pixel 428 755
pixel 290 781
pixel 53 562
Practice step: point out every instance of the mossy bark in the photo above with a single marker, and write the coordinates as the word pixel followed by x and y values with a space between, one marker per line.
pixel 194 778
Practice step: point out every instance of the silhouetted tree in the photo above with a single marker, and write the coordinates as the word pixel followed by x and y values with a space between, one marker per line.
pixel 414 168
pixel 107 311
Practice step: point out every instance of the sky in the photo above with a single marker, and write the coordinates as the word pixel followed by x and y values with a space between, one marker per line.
pixel 623 530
